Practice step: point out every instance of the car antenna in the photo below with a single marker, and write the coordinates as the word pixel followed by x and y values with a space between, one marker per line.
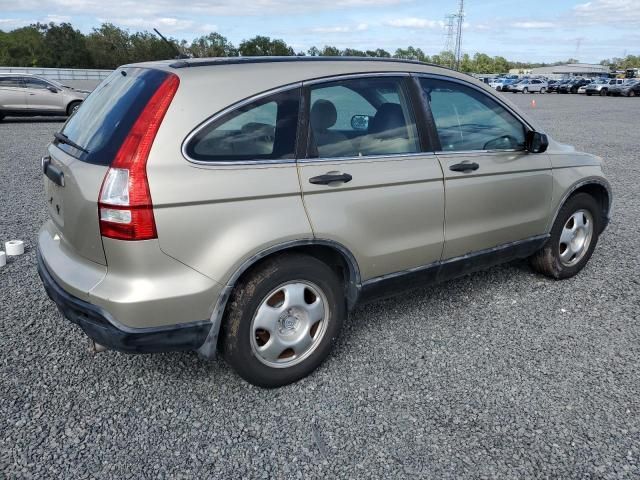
pixel 179 55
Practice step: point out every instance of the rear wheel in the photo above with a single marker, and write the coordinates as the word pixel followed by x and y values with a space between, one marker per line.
pixel 573 237
pixel 632 93
pixel 603 92
pixel 282 320
pixel 72 107
pixel 543 90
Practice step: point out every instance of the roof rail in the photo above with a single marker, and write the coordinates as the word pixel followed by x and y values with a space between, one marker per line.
pixel 204 62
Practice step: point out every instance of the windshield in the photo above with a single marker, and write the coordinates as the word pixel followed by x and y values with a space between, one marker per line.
pixel 103 121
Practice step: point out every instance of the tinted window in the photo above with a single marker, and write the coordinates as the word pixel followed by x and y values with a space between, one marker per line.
pixel 107 115
pixel 360 117
pixel 36 83
pixel 10 82
pixel 262 130
pixel 468 119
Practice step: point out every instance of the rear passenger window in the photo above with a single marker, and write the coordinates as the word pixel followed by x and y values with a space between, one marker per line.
pixel 262 130
pixel 467 119
pixel 361 117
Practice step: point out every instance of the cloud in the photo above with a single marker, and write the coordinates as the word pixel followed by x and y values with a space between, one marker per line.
pixel 157 8
pixel 413 22
pixel 361 27
pixel 609 12
pixel 534 25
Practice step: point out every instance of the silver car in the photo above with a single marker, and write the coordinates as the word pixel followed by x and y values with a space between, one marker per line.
pixel 27 95
pixel 248 204
pixel 530 86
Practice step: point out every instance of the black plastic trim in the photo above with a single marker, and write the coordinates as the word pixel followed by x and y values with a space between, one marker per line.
pixel 100 326
pixel 398 282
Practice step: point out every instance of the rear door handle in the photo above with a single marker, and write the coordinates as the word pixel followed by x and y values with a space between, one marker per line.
pixel 328 178
pixel 464 167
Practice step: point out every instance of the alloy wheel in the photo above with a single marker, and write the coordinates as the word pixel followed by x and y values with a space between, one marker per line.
pixel 575 237
pixel 289 324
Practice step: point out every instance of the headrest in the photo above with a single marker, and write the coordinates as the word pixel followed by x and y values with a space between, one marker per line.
pixel 323 115
pixel 388 122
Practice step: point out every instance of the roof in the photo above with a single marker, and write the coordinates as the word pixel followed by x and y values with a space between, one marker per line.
pixel 572 68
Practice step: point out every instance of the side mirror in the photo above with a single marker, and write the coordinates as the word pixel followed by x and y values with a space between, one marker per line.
pixel 360 122
pixel 52 89
pixel 536 142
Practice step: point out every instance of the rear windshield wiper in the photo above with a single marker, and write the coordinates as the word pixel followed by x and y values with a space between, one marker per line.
pixel 62 138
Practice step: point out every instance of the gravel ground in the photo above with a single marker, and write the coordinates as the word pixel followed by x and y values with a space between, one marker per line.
pixel 499 374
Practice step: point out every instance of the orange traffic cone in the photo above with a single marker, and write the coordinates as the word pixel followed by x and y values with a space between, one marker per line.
pixel 533 103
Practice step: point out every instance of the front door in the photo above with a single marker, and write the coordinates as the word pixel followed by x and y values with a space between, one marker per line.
pixel 43 97
pixel 496 191
pixel 365 182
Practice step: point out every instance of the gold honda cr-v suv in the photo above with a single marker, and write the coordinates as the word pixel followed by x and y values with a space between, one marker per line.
pixel 247 204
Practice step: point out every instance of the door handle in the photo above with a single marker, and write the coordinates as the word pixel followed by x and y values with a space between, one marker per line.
pixel 464 167
pixel 53 173
pixel 328 178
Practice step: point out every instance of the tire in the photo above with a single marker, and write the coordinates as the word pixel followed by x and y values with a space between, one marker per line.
pixel 296 278
pixel 525 90
pixel 603 92
pixel 543 90
pixel 588 94
pixel 632 93
pixel 72 107
pixel 548 260
pixel 1 117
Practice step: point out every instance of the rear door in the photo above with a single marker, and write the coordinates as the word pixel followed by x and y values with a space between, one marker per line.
pixel 12 93
pixel 42 96
pixel 496 192
pixel 74 176
pixel 366 182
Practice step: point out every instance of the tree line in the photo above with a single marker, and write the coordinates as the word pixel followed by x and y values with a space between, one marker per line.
pixel 108 46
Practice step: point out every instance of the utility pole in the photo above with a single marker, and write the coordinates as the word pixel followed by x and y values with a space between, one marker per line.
pixel 458 49
pixel 449 39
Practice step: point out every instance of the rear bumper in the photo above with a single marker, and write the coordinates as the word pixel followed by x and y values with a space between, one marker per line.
pixel 101 327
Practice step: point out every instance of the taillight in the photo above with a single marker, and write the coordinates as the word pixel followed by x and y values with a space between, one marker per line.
pixel 124 206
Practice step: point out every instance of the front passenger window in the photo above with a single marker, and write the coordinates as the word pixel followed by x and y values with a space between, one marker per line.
pixel 361 117
pixel 468 119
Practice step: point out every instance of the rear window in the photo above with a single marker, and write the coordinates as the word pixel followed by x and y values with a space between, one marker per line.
pixel 106 116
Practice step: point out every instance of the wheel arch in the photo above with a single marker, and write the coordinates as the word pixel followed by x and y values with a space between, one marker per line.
pixel 596 187
pixel 336 255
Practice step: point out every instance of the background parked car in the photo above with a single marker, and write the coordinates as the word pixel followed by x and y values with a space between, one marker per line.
pixel 630 88
pixel 27 95
pixel 530 86
pixel 601 86
pixel 553 87
pixel 573 85
pixel 507 87
pixel 500 83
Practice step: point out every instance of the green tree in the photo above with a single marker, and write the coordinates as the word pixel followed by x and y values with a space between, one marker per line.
pixel 263 46
pixel 23 47
pixel 65 46
pixel 329 51
pixel 212 45
pixel 109 46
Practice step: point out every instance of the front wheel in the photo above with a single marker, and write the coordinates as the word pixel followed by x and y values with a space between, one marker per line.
pixel 525 90
pixel 632 93
pixel 573 237
pixel 282 320
pixel 603 92
pixel 543 90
